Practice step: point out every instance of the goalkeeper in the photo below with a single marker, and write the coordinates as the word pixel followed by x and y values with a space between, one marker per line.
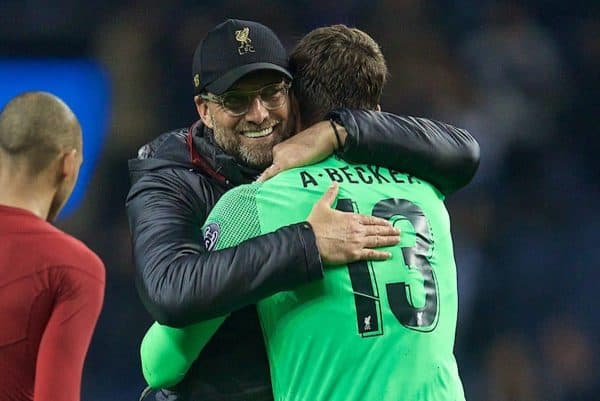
pixel 368 331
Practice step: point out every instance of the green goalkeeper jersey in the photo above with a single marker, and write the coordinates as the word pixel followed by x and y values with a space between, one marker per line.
pixel 369 331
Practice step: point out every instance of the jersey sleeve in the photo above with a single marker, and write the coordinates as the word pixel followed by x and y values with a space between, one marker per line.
pixel 178 281
pixel 234 219
pixel 167 352
pixel 65 341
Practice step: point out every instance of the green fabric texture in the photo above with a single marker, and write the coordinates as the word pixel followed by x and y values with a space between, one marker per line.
pixel 379 331
pixel 167 352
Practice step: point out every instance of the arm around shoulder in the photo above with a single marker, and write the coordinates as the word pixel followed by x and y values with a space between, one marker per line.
pixel 442 154
pixel 179 282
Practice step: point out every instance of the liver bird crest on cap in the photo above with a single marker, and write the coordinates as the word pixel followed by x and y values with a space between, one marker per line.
pixel 242 36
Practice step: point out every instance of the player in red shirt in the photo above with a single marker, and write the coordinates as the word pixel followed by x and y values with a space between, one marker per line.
pixel 51 284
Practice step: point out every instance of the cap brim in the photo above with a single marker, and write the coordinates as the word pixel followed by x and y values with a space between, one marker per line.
pixel 226 81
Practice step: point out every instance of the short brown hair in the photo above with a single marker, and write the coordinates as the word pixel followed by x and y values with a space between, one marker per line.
pixel 336 66
pixel 34 128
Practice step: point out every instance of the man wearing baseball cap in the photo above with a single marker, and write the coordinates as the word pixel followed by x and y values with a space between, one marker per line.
pixel 241 82
pixel 220 61
pixel 241 85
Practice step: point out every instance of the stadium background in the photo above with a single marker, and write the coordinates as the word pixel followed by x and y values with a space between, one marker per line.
pixel 520 76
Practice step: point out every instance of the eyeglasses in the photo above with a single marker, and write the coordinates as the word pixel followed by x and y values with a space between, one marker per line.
pixel 237 103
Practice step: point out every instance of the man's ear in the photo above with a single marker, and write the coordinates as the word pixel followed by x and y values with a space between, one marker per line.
pixel 70 163
pixel 378 108
pixel 203 112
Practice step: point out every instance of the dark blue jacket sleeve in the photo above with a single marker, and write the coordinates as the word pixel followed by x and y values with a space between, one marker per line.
pixel 179 282
pixel 446 156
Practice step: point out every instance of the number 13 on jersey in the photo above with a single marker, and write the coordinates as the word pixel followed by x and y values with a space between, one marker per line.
pixel 413 311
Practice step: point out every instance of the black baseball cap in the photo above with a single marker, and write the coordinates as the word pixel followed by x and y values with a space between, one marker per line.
pixel 233 49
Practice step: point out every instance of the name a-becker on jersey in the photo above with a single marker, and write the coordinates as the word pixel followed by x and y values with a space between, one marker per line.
pixel 355 175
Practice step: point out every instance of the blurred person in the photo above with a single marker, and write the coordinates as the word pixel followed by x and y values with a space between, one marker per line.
pixel 415 48
pixel 520 83
pixel 241 83
pixel 51 284
pixel 398 342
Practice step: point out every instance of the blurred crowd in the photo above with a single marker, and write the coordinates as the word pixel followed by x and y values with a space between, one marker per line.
pixel 521 76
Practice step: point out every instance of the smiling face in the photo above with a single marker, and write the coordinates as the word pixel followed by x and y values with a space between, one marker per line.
pixel 250 137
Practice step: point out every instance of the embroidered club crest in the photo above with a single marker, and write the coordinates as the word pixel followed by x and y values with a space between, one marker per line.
pixel 211 236
pixel 367 322
pixel 242 36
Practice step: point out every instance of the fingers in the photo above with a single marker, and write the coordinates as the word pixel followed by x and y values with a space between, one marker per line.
pixel 330 195
pixel 372 220
pixel 344 237
pixel 375 236
pixel 372 254
pixel 380 230
pixel 377 241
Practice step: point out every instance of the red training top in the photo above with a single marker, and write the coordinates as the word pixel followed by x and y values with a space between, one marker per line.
pixel 51 292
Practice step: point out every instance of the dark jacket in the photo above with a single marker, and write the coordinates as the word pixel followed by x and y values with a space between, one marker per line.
pixel 176 181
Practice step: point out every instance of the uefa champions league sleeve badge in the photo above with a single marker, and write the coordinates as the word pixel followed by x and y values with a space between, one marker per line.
pixel 211 236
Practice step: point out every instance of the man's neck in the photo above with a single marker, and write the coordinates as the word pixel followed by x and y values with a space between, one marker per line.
pixel 31 194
